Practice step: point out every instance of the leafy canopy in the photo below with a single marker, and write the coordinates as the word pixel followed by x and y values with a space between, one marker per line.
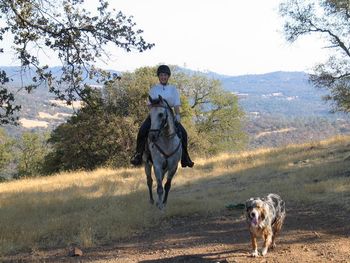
pixel 71 33
pixel 331 20
pixel 5 149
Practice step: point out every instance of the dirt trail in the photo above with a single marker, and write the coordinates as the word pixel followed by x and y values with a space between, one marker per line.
pixel 310 234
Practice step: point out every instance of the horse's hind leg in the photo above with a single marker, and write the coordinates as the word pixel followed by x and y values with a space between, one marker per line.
pixel 148 170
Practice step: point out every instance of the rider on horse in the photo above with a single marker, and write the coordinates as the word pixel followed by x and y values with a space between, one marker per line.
pixel 171 95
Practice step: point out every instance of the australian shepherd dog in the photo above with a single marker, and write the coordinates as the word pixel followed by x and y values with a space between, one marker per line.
pixel 265 218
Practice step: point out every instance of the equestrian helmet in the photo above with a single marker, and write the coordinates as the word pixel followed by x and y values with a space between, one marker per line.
pixel 163 69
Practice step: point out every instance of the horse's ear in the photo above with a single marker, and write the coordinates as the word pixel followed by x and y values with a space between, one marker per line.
pixel 160 98
pixel 150 99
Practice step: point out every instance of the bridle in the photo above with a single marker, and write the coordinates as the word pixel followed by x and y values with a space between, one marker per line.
pixel 158 131
pixel 163 124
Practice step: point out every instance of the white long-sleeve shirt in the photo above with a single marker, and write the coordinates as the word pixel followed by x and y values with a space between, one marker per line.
pixel 168 92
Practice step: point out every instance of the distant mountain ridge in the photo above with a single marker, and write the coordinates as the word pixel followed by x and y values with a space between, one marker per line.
pixel 276 93
pixel 284 93
pixel 274 102
pixel 19 77
pixel 290 83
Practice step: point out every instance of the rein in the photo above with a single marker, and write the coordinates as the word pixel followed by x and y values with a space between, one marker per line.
pixel 162 126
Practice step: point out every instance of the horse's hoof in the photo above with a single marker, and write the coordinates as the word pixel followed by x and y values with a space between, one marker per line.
pixel 160 205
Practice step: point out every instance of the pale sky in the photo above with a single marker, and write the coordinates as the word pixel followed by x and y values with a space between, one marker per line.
pixel 232 37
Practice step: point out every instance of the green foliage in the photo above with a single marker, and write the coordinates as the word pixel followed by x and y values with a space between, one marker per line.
pixel 65 29
pixel 330 19
pixel 5 150
pixel 91 139
pixel 211 114
pixel 7 108
pixel 31 151
pixel 128 95
pixel 105 134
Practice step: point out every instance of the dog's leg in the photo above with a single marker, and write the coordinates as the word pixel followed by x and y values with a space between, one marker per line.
pixel 276 229
pixel 267 241
pixel 273 242
pixel 255 252
pixel 274 235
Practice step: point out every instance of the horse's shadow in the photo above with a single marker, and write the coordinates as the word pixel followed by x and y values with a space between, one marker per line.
pixel 218 257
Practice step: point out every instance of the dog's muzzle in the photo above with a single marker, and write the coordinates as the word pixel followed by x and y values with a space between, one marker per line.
pixel 254 216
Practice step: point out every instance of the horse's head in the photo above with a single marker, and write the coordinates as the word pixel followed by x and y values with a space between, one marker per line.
pixel 161 118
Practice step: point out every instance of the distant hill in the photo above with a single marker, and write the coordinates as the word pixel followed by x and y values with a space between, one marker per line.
pixel 19 78
pixel 282 107
pixel 283 93
pixel 278 93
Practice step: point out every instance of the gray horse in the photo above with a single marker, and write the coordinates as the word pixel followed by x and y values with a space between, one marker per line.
pixel 163 149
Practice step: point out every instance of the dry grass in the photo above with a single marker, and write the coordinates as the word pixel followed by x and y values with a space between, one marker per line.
pixel 94 208
pixel 73 105
pixel 56 116
pixel 33 123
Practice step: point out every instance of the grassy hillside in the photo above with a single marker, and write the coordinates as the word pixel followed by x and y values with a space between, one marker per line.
pixel 100 207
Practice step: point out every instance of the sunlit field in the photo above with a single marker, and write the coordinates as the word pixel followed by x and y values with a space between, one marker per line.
pixel 104 206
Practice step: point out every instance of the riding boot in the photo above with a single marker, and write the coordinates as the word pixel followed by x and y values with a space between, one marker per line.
pixel 185 158
pixel 136 159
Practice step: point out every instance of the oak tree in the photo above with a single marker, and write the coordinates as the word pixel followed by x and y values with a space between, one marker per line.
pixel 331 20
pixel 106 134
pixel 67 30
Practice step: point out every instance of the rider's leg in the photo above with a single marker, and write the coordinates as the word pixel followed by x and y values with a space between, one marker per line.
pixel 141 142
pixel 185 158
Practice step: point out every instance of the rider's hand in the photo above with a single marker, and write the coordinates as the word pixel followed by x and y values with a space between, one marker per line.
pixel 177 118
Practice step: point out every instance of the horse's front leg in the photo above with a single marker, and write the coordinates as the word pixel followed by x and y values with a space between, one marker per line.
pixel 167 185
pixel 159 176
pixel 148 171
pixel 166 188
